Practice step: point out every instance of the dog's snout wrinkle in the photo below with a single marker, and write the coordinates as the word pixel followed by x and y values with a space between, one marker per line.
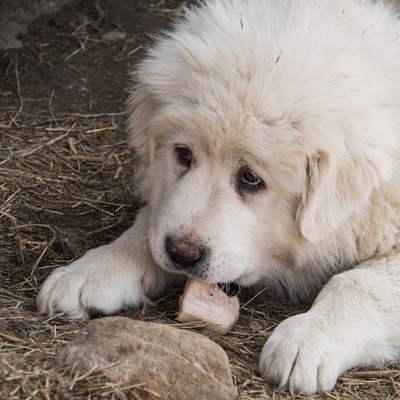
pixel 183 252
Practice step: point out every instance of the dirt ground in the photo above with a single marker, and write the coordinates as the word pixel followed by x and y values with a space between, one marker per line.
pixel 66 186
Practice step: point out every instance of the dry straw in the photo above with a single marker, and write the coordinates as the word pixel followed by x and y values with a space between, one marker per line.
pixel 66 186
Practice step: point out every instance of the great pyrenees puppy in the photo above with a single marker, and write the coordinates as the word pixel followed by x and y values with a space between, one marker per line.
pixel 267 134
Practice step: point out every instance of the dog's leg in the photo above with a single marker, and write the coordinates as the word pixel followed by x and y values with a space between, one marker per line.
pixel 107 278
pixel 355 321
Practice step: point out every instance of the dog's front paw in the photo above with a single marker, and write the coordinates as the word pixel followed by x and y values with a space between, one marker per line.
pixel 304 355
pixel 101 282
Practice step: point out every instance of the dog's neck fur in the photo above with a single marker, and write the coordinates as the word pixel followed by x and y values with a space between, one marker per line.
pixel 376 237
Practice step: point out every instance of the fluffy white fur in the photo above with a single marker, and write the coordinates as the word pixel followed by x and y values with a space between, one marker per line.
pixel 305 95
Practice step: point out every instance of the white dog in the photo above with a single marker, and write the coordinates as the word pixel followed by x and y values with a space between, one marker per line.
pixel 268 139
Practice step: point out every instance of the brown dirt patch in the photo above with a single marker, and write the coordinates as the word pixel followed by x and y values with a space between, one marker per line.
pixel 66 186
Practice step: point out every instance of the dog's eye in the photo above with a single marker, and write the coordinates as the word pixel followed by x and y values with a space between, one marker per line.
pixel 250 181
pixel 183 155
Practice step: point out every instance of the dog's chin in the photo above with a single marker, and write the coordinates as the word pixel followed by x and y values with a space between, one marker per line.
pixel 230 288
pixel 201 272
pixel 195 272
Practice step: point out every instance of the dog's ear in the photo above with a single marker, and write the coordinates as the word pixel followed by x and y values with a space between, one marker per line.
pixel 140 111
pixel 334 190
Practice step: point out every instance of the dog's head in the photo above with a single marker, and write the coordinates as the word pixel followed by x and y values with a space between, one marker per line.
pixel 223 191
pixel 246 174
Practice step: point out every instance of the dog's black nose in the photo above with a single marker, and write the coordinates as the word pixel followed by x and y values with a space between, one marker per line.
pixel 183 252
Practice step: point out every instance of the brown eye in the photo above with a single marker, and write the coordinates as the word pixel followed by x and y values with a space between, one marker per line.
pixel 183 156
pixel 249 181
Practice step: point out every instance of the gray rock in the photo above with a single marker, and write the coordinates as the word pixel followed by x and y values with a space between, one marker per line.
pixel 172 363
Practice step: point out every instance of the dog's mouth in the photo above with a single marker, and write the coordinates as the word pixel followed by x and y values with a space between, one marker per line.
pixel 230 289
